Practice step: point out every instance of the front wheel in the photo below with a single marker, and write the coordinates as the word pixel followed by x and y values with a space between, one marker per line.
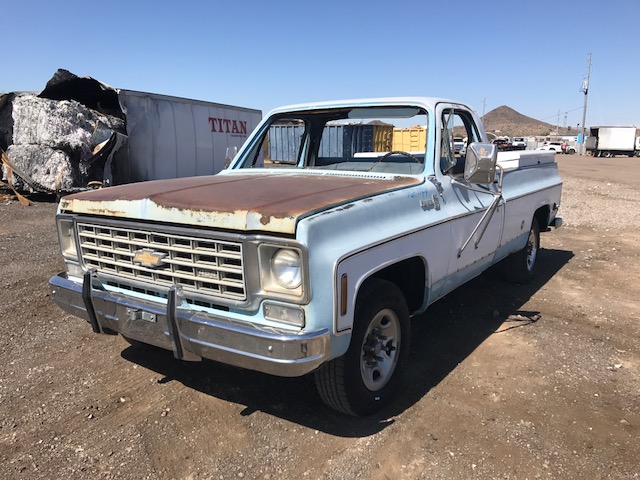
pixel 367 376
pixel 520 267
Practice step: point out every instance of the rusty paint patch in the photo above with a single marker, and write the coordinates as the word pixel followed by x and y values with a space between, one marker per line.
pixel 106 212
pixel 264 201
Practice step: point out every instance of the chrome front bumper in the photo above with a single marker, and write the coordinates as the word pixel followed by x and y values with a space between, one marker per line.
pixel 191 335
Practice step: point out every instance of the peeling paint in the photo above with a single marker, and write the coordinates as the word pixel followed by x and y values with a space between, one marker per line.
pixel 106 212
pixel 252 202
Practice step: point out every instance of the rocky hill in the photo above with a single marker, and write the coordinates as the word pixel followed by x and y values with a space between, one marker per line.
pixel 506 121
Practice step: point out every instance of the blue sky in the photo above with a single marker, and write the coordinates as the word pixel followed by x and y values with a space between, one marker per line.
pixel 529 55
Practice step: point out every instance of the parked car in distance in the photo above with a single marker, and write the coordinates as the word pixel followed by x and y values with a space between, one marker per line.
pixel 501 143
pixel 519 143
pixel 458 144
pixel 557 147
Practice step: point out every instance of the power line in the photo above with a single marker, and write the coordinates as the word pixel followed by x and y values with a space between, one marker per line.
pixel 555 115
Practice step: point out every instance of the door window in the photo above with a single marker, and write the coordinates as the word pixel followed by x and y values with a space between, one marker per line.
pixel 459 131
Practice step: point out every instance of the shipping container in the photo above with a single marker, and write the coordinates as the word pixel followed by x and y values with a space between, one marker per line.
pixel 338 140
pixel 383 138
pixel 333 142
pixel 367 138
pixel 412 139
pixel 284 142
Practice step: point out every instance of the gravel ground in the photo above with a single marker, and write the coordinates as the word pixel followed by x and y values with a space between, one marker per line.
pixel 539 381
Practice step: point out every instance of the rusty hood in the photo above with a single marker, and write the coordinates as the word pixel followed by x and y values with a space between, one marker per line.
pixel 249 202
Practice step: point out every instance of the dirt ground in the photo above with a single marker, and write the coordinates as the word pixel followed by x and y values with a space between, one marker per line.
pixel 540 381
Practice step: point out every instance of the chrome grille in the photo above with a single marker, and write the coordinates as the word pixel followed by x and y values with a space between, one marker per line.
pixel 205 266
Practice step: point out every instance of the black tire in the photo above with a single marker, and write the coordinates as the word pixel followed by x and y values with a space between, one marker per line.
pixel 520 267
pixel 368 375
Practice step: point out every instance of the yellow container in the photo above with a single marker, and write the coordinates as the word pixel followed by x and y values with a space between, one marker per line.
pixel 412 139
pixel 382 138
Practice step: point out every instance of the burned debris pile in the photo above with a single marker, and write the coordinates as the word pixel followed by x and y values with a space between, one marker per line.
pixel 79 133
pixel 57 141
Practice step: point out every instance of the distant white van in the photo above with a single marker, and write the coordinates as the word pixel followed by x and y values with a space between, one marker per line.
pixel 519 143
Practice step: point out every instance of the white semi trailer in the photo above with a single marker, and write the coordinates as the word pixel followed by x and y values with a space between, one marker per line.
pixel 612 141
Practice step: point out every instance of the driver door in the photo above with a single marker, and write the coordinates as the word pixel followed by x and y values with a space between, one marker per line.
pixel 466 205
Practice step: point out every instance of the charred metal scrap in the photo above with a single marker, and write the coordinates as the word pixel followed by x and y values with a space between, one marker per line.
pixel 79 132
pixel 62 139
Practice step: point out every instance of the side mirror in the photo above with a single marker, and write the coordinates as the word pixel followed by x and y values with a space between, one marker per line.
pixel 480 163
pixel 230 155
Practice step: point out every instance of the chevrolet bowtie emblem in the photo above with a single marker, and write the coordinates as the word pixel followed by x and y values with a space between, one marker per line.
pixel 148 258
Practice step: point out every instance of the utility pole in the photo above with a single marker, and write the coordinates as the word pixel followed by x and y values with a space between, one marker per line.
pixel 585 89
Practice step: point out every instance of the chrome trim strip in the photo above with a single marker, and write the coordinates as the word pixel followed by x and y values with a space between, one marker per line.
pixel 172 325
pixel 87 299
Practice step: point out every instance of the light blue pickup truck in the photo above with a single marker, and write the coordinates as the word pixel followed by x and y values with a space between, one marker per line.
pixel 333 225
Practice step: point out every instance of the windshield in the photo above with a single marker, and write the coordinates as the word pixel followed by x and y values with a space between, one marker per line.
pixel 363 139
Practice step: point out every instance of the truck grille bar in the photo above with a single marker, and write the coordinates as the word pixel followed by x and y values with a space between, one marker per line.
pixel 205 266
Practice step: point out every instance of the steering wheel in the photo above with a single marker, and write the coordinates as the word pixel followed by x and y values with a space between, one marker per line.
pixel 397 152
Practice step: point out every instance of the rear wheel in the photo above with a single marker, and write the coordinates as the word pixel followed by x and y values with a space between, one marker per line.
pixel 367 376
pixel 520 267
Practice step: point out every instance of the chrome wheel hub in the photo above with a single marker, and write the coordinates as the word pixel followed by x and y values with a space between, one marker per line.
pixel 379 355
pixel 532 250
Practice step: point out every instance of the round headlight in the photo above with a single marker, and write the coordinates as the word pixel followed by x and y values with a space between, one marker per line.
pixel 286 269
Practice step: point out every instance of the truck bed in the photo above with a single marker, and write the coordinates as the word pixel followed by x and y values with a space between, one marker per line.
pixel 514 160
